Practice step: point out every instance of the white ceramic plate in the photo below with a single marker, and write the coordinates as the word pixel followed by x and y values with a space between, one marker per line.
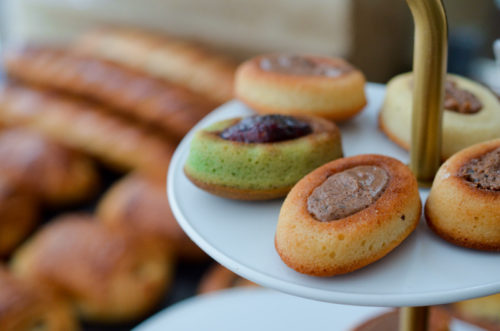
pixel 424 270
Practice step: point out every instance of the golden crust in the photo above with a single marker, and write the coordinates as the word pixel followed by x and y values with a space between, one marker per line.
pixel 461 213
pixel 439 320
pixel 139 203
pixel 87 128
pixel 218 278
pixel 173 109
pixel 334 98
pixel 108 274
pixel 330 248
pixel 24 306
pixel 180 62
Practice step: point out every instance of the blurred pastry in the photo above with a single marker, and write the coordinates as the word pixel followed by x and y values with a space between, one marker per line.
pixel 54 173
pixel 471 113
pixel 347 214
pixel 174 109
pixel 484 312
pixel 140 203
pixel 18 215
pixel 24 306
pixel 464 202
pixel 439 320
pixel 179 62
pixel 301 85
pixel 260 157
pixel 108 274
pixel 87 128
pixel 218 278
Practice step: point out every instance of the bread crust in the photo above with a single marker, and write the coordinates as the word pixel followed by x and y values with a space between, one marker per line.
pixel 461 213
pixel 335 98
pixel 340 246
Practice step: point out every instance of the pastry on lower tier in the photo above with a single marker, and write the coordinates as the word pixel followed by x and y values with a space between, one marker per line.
pixel 18 215
pixel 347 214
pixel 260 157
pixel 439 320
pixel 25 306
pixel 52 172
pixel 139 203
pixel 219 278
pixel 301 85
pixel 484 312
pixel 471 113
pixel 464 202
pixel 108 274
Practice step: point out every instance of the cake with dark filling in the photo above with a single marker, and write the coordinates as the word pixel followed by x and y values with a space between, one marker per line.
pixel 260 157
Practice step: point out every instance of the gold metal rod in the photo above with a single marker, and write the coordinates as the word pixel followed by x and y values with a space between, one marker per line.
pixel 429 70
pixel 414 319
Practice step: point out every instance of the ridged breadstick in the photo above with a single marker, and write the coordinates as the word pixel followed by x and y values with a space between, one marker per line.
pixel 177 61
pixel 85 127
pixel 153 101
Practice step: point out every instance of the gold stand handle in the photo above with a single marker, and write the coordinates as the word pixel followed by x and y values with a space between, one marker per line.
pixel 429 69
pixel 413 318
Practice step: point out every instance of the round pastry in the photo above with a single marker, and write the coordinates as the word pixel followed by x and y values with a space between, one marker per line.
pixel 138 203
pixel 471 113
pixel 301 85
pixel 55 173
pixel 24 306
pixel 260 157
pixel 347 214
pixel 219 278
pixel 18 215
pixel 439 320
pixel 464 202
pixel 484 311
pixel 108 274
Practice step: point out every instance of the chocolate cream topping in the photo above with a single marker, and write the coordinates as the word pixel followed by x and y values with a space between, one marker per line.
pixel 302 65
pixel 459 100
pixel 347 192
pixel 484 171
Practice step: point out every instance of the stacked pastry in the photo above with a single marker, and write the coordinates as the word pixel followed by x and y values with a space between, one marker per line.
pixel 71 107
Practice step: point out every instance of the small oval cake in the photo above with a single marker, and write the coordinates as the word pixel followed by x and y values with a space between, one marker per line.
pixel 471 113
pixel 464 203
pixel 347 214
pixel 301 85
pixel 260 157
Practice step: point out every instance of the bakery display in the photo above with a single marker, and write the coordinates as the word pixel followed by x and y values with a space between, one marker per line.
pixel 55 174
pixel 471 113
pixel 24 306
pixel 178 61
pixel 347 214
pixel 219 278
pixel 87 128
pixel 484 312
pixel 18 215
pixel 171 108
pixel 301 85
pixel 108 274
pixel 260 157
pixel 139 203
pixel 464 203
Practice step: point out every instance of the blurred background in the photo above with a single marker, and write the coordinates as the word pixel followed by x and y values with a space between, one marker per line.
pixel 104 98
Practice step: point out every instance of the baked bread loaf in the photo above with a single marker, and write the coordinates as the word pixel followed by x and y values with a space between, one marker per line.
pixel 87 128
pixel 301 85
pixel 140 203
pixel 471 113
pixel 55 174
pixel 347 214
pixel 484 312
pixel 180 62
pixel 219 278
pixel 260 157
pixel 24 306
pixel 18 215
pixel 108 275
pixel 463 206
pixel 173 109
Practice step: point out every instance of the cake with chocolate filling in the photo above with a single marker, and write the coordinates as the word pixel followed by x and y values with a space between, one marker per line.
pixel 260 157
pixel 301 85
pixel 347 214
pixel 464 203
pixel 471 113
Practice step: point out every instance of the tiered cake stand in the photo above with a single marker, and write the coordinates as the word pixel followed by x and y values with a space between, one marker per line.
pixel 424 270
